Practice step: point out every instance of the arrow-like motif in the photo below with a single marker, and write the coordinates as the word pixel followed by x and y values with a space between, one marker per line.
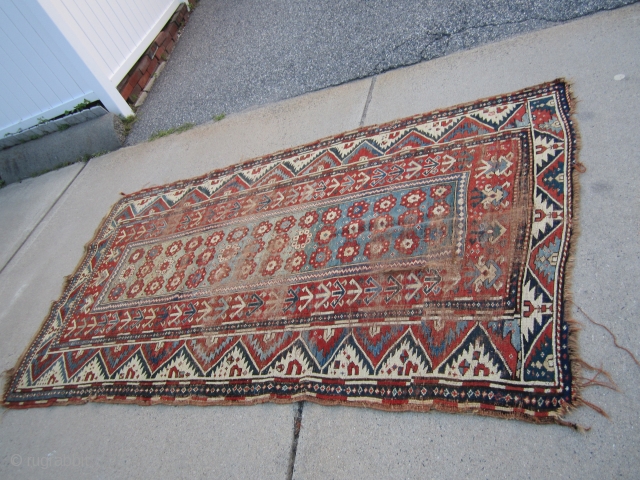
pixel 373 289
pixel 291 299
pixel 321 264
pixel 339 293
pixel 255 303
pixel 393 288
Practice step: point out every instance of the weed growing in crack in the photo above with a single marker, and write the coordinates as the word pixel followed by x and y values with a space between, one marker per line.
pixel 128 123
pixel 163 133
pixel 84 159
pixel 58 167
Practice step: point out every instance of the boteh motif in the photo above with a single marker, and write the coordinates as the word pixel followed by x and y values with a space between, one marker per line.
pixel 413 265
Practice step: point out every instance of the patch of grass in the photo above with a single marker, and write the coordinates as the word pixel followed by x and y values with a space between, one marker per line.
pixel 57 167
pixel 82 105
pixel 63 126
pixel 128 123
pixel 86 157
pixel 217 118
pixel 97 154
pixel 2 183
pixel 13 133
pixel 163 133
pixel 41 120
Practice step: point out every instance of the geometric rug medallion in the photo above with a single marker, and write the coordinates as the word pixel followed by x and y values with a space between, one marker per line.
pixel 414 265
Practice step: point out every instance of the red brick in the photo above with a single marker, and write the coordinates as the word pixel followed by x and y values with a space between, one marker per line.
pixel 162 36
pixel 143 81
pixel 160 52
pixel 134 79
pixel 170 46
pixel 126 91
pixel 153 66
pixel 136 92
pixel 179 13
pixel 123 83
pixel 144 63
pixel 173 30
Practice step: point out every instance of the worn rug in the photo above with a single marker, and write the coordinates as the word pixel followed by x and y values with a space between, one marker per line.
pixel 415 265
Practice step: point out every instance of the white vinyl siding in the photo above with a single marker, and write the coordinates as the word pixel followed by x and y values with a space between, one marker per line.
pixel 56 53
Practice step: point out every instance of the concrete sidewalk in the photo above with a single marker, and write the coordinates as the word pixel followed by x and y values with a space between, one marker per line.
pixel 64 208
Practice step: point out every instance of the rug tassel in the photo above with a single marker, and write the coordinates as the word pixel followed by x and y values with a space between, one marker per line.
pixel 580 167
pixel 599 371
pixel 588 382
pixel 8 373
pixel 615 340
pixel 595 408
pixel 575 325
pixel 576 426
pixel 593 383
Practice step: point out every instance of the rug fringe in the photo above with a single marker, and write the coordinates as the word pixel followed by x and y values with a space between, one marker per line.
pixel 577 381
pixel 573 233
pixel 67 281
pixel 595 408
pixel 593 383
pixel 576 325
pixel 599 371
pixel 615 339
pixel 6 376
pixel 576 426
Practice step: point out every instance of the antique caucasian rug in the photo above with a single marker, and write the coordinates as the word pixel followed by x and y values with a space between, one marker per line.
pixel 415 265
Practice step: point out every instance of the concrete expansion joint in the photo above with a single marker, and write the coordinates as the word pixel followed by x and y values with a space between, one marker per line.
pixel 297 426
pixel 55 202
pixel 366 104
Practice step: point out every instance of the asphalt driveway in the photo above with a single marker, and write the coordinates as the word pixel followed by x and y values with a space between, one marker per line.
pixel 235 55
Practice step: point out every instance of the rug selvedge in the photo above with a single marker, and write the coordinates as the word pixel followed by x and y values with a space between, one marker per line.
pixel 413 265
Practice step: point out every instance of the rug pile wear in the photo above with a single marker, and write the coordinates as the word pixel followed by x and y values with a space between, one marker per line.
pixel 415 265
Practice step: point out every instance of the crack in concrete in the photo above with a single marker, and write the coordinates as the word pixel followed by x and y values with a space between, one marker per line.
pixel 41 219
pixel 379 67
pixel 366 104
pixel 446 36
pixel 297 426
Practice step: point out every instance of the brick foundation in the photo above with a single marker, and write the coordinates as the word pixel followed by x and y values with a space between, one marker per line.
pixel 134 82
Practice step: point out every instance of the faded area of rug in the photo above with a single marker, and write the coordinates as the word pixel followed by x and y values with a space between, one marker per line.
pixel 414 265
